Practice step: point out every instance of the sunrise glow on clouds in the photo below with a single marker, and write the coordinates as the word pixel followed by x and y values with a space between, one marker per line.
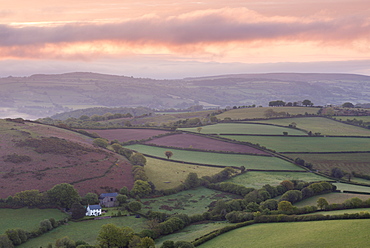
pixel 203 33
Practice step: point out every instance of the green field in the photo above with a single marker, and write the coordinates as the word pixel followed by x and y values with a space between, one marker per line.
pixel 85 230
pixel 240 128
pixel 321 125
pixel 344 211
pixel 254 113
pixel 351 187
pixel 332 233
pixel 306 144
pixel 167 174
pixel 360 118
pixel 189 202
pixel 257 179
pixel 249 161
pixel 27 219
pixel 358 162
pixel 331 198
pixel 192 232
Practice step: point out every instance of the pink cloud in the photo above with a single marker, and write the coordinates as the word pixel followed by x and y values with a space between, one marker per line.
pixel 194 29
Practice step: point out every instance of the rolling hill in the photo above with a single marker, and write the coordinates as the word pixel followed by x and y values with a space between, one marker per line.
pixel 45 95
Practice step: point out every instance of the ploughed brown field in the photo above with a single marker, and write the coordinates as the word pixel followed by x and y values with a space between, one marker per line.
pixel 87 168
pixel 203 143
pixel 127 134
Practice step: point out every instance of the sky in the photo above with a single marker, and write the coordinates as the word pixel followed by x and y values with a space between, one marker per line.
pixel 178 38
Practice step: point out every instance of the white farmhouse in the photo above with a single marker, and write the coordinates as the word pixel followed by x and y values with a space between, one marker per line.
pixel 93 210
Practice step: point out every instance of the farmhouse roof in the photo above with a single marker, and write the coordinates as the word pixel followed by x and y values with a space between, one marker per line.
pixel 94 207
pixel 108 195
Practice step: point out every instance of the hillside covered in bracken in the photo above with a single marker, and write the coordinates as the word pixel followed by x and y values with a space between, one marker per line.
pixel 37 156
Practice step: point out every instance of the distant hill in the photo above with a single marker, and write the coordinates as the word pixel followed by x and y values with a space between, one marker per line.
pixel 45 95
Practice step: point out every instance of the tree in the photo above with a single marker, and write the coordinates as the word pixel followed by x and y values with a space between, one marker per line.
pixel 199 129
pixel 5 242
pixel 285 206
pixel 192 180
pixel 116 147
pixel 138 159
pixel 112 236
pixel 307 103
pixel 292 196
pixel 287 184
pixel 78 211
pixel 123 190
pixel 322 203
pixel 168 154
pixel 63 195
pixel 45 226
pixel 141 188
pixel 100 142
pixel 65 242
pixel 90 198
pixel 121 199
pixel 348 105
pixel 134 206
pixel 337 172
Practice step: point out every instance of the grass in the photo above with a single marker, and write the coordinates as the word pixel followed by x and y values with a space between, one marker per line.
pixel 168 174
pixel 254 113
pixel 27 219
pixel 306 144
pixel 351 187
pixel 321 125
pixel 344 211
pixel 257 179
pixel 360 118
pixel 332 198
pixel 239 128
pixel 85 230
pixel 358 162
pixel 192 232
pixel 189 202
pixel 332 233
pixel 249 161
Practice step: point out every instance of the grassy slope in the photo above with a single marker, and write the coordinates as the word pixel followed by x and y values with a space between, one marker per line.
pixel 334 233
pixel 87 231
pixel 27 219
pixel 358 162
pixel 192 232
pixel 238 128
pixel 321 125
pixel 258 179
pixel 331 198
pixel 188 202
pixel 168 174
pixel 249 161
pixel 306 144
pixel 255 113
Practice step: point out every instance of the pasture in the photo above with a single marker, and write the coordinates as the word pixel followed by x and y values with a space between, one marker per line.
pixel 306 144
pixel 352 187
pixel 190 202
pixel 322 125
pixel 328 233
pixel 87 231
pixel 332 198
pixel 358 162
pixel 244 128
pixel 26 218
pixel 257 179
pixel 211 158
pixel 192 232
pixel 256 113
pixel 166 174
pixel 203 143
